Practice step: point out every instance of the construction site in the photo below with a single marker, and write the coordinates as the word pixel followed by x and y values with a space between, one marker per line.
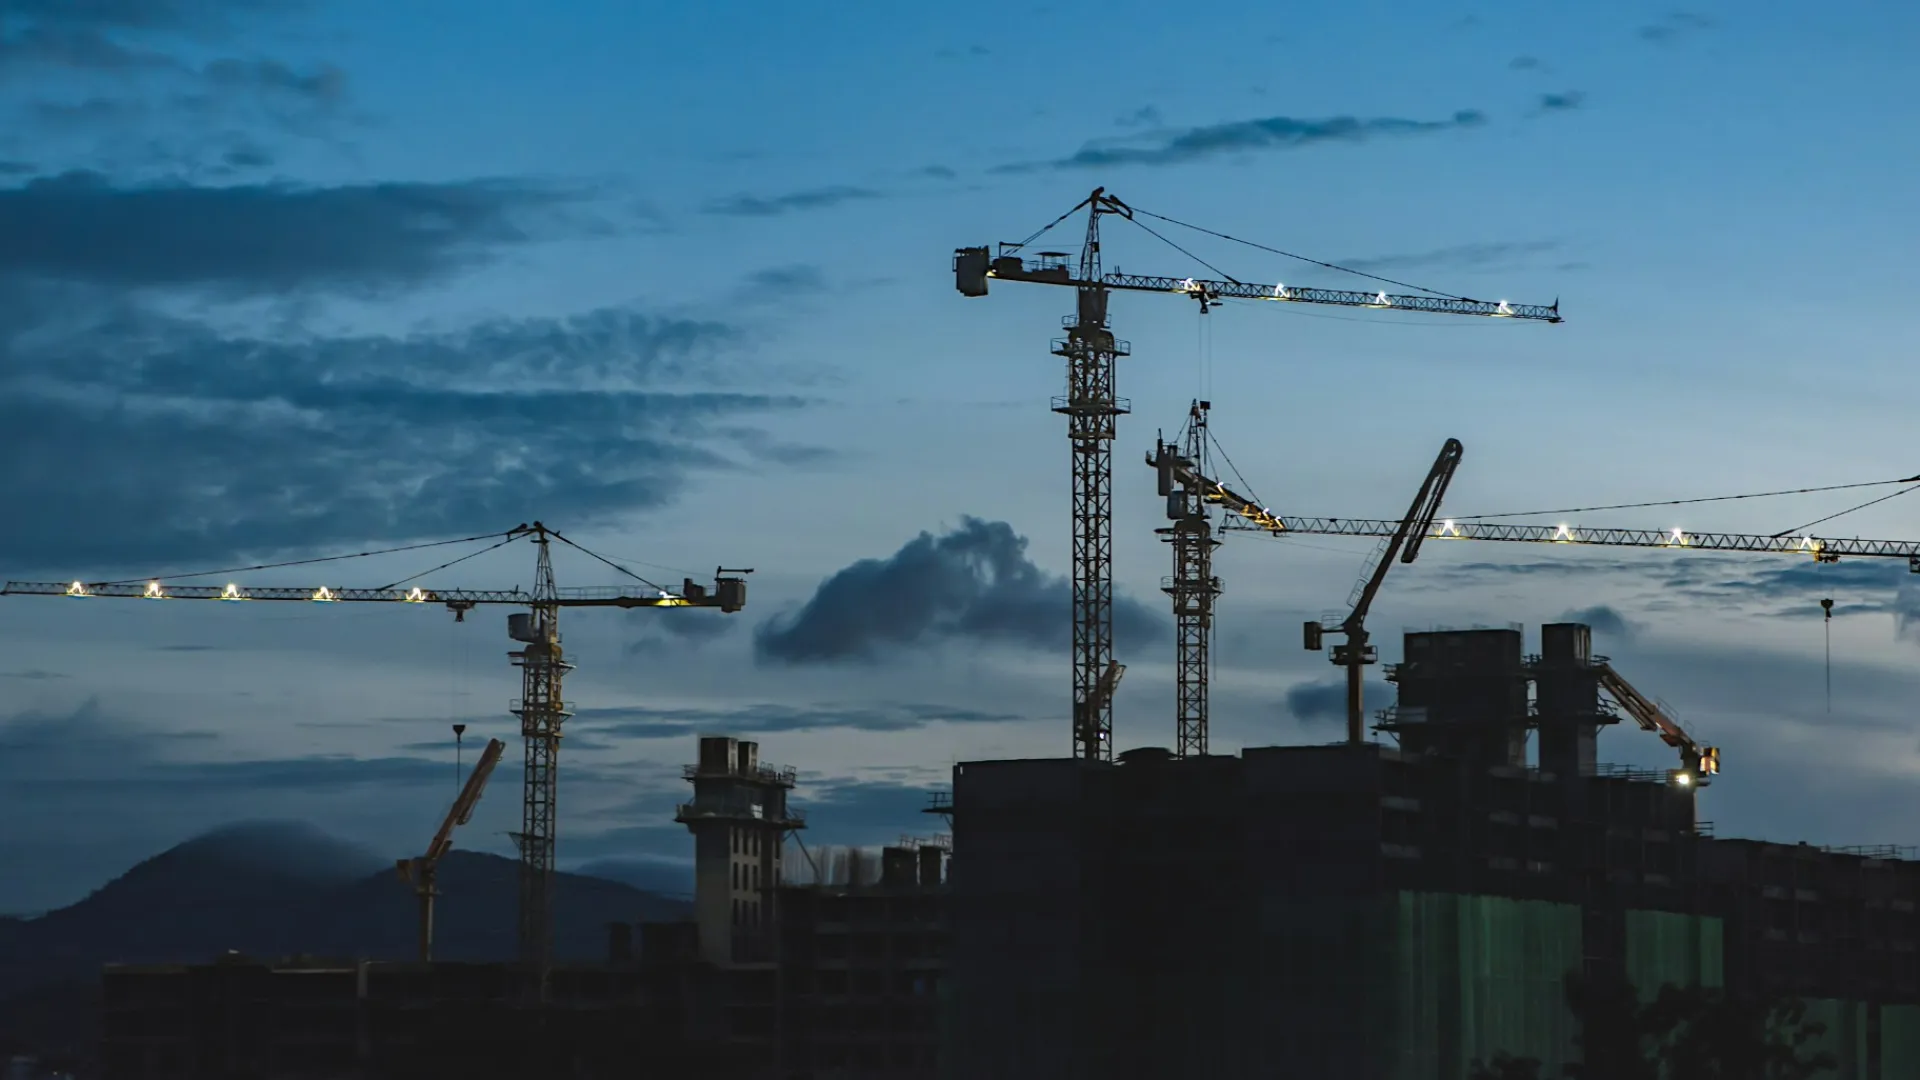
pixel 1401 904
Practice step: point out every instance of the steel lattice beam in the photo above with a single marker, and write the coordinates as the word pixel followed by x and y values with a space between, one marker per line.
pixel 1824 548
pixel 542 711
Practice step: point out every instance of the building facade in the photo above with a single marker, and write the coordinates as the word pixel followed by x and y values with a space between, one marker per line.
pixel 1393 912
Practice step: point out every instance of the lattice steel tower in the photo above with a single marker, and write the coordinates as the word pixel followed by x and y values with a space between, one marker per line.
pixel 1091 410
pixel 1192 587
pixel 542 710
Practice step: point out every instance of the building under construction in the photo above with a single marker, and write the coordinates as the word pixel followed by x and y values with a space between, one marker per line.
pixel 1376 912
pixel 1358 911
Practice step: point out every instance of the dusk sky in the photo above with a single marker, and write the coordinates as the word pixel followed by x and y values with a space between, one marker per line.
pixel 281 279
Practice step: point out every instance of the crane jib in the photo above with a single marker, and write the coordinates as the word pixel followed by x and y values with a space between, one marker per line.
pixel 1823 548
pixel 974 267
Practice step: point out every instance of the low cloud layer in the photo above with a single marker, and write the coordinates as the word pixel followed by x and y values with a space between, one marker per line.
pixel 646 722
pixel 972 584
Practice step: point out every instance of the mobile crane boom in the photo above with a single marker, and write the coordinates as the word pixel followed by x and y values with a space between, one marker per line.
pixel 421 872
pixel 1356 652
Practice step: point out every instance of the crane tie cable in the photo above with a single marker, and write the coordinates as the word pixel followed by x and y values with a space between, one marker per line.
pixel 609 562
pixel 452 562
pixel 1849 510
pixel 1156 235
pixel 1044 229
pixel 309 562
pixel 1302 258
pixel 1713 498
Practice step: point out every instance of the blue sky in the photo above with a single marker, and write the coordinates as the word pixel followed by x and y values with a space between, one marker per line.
pixel 283 278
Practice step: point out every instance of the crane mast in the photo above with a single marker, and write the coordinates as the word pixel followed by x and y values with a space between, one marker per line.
pixel 1092 411
pixel 1193 586
pixel 542 710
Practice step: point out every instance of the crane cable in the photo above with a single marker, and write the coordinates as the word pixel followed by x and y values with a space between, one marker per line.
pixel 1708 499
pixel 309 562
pixel 1849 510
pixel 1302 258
pixel 454 562
pixel 1048 227
pixel 610 562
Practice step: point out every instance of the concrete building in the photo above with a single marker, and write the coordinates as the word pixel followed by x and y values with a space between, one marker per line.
pixel 863 966
pixel 1393 912
pixel 839 975
pixel 739 819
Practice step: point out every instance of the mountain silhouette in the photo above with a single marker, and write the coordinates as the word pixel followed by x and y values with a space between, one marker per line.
pixel 273 889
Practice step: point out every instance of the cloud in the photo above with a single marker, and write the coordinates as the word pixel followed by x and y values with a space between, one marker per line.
pixel 775 205
pixel 652 722
pixel 797 278
pixel 147 65
pixel 1525 63
pixel 1144 116
pixel 1241 136
pixel 1605 620
pixel 670 628
pixel 191 16
pixel 1565 101
pixel 1476 256
pixel 974 583
pixel 32 675
pixel 937 172
pixel 1325 700
pixel 221 445
pixel 1676 25
pixel 82 227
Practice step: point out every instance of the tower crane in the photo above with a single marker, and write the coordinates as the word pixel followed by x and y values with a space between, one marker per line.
pixel 1698 762
pixel 541 706
pixel 421 872
pixel 1092 408
pixel 1193 586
